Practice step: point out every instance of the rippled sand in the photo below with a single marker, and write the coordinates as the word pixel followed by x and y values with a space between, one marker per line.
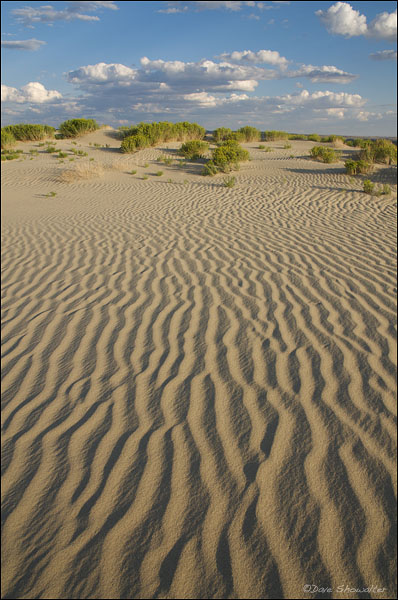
pixel 198 382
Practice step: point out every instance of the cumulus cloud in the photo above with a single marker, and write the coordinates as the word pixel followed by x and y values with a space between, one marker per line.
pixel 31 44
pixel 33 92
pixel 384 55
pixel 342 19
pixel 102 73
pixel 29 16
pixel 324 74
pixel 270 57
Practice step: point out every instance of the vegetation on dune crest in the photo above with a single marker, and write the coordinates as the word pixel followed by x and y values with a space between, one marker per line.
pixel 24 132
pixel 226 158
pixel 145 135
pixel 75 127
pixel 326 155
pixel 194 149
pixel 273 135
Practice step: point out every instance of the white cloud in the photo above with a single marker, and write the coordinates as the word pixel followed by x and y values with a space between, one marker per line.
pixel 342 19
pixel 270 57
pixel 33 92
pixel 29 16
pixel 384 55
pixel 324 74
pixel 31 44
pixel 102 73
pixel 384 27
pixel 215 5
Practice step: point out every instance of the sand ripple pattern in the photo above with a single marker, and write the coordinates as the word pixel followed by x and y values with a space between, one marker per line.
pixel 199 391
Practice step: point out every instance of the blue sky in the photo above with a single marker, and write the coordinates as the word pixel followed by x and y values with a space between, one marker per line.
pixel 326 67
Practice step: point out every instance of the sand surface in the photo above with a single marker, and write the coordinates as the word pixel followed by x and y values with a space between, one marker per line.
pixel 198 381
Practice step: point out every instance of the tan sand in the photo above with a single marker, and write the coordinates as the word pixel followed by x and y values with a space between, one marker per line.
pixel 198 381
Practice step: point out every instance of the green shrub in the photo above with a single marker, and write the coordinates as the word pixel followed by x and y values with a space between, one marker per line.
pixel 261 147
pixel 145 177
pixel 7 139
pixel 386 190
pixel 287 146
pixel 155 133
pixel 133 172
pixel 75 127
pixel 314 137
pixel 326 155
pixel 299 136
pixel 384 151
pixel 29 132
pixel 210 169
pixel 227 156
pixel 51 149
pixel 159 173
pixel 275 135
pixel 62 155
pixel 221 134
pixel 229 181
pixel 194 149
pixel 368 187
pixel 249 134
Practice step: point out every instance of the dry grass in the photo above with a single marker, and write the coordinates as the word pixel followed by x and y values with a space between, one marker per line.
pixel 81 171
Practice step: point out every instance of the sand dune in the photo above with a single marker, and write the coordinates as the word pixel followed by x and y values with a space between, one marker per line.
pixel 198 382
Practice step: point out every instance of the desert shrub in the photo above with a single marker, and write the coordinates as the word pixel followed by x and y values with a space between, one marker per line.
pixel 225 158
pixel 384 151
pixel 354 167
pixel 210 169
pixel 10 155
pixel 368 186
pixel 229 181
pixel 275 135
pixel 194 149
pixel 51 149
pixel 351 167
pixel 249 134
pixel 314 137
pixel 386 191
pixel 62 155
pixel 133 172
pixel 299 136
pixel 75 127
pixel 221 134
pixel 7 139
pixel 261 147
pixel 287 146
pixel 159 173
pixel 326 155
pixel 133 143
pixel 228 156
pixel 155 133
pixel 29 132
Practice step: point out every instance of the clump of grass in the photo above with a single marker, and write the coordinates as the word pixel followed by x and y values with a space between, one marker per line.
pixel 225 158
pixel 159 173
pixel 82 171
pixel 146 165
pixel 386 191
pixel 368 187
pixel 7 140
pixel 51 195
pixel 51 149
pixel 76 127
pixel 326 155
pixel 275 135
pixel 28 132
pixel 71 159
pixel 354 167
pixel 133 172
pixel 261 147
pixel 62 155
pixel 145 177
pixel 287 146
pixel 194 149
pixel 268 149
pixel 145 135
pixel 169 181
pixel 229 181
pixel 91 159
